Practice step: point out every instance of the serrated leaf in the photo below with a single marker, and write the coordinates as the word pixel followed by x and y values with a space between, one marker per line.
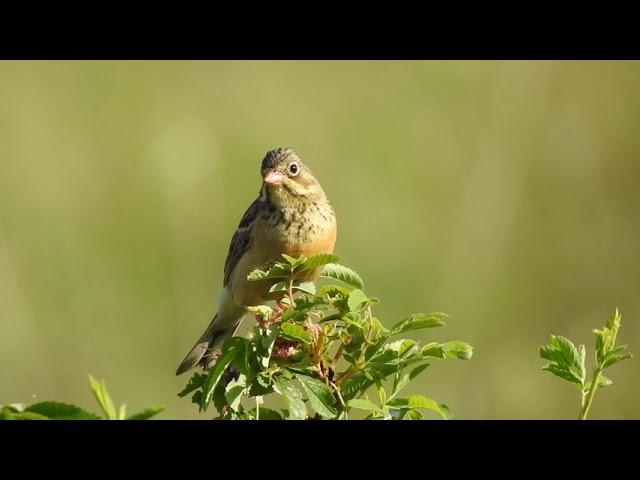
pixel 344 274
pixel 293 331
pixel 230 350
pixel 616 355
pixel 362 404
pixel 562 372
pixel 357 299
pixel 458 349
pixel 293 399
pixel 317 261
pixel 320 396
pixel 567 361
pixel 147 413
pixel 61 411
pixel 195 382
pixel 417 321
pixel 101 394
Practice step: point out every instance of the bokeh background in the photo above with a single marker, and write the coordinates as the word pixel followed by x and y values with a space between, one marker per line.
pixel 503 193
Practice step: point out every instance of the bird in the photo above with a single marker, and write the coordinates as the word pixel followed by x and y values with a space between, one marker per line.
pixel 292 215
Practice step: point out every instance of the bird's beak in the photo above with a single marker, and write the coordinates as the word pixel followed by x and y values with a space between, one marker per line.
pixel 273 178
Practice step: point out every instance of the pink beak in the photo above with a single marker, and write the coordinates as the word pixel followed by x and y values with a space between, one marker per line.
pixel 273 178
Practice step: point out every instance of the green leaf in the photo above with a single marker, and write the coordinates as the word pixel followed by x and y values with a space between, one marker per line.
pixel 61 411
pixel 357 300
pixel 266 414
pixel 458 349
pixel 147 413
pixel 15 407
pixel 320 396
pixel 27 416
pixel 293 399
pixel 602 382
pixel 306 287
pixel 293 331
pixel 263 311
pixel 613 324
pixel 419 320
pixel 344 274
pixel 382 395
pixel 317 261
pixel 336 296
pixel 278 287
pixel 99 390
pixel 567 361
pixel 414 414
pixel 195 382
pixel 616 355
pixel 292 261
pixel 265 341
pixel 422 402
pixel 6 413
pixel 434 349
pixel 417 371
pixel 362 404
pixel 277 271
pixel 562 372
pixel 234 390
pixel 230 350
pixel 354 384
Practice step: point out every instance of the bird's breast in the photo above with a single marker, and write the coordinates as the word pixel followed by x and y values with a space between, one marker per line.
pixel 296 232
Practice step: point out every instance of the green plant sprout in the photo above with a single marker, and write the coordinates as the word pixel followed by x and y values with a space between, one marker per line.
pixel 568 362
pixel 65 411
pixel 320 350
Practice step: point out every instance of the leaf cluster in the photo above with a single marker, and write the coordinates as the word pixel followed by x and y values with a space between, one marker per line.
pixel 321 350
pixel 568 361
pixel 65 411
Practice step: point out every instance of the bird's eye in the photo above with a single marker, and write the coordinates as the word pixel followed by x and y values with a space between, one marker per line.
pixel 293 168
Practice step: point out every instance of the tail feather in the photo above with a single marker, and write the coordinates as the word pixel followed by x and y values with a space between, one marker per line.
pixel 208 346
pixel 222 327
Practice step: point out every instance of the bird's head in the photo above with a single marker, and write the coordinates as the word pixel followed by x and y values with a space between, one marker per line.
pixel 287 179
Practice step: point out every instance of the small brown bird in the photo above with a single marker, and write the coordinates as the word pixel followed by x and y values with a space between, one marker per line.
pixel 292 215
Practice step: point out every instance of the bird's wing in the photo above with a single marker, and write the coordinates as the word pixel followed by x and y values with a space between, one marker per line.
pixel 241 241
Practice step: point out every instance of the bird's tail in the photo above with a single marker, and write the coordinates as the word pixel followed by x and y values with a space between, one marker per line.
pixel 208 346
pixel 222 327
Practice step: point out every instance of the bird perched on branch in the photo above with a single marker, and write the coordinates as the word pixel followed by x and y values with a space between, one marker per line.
pixel 292 215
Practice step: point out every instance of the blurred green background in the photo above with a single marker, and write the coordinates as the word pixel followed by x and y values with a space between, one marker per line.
pixel 503 193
